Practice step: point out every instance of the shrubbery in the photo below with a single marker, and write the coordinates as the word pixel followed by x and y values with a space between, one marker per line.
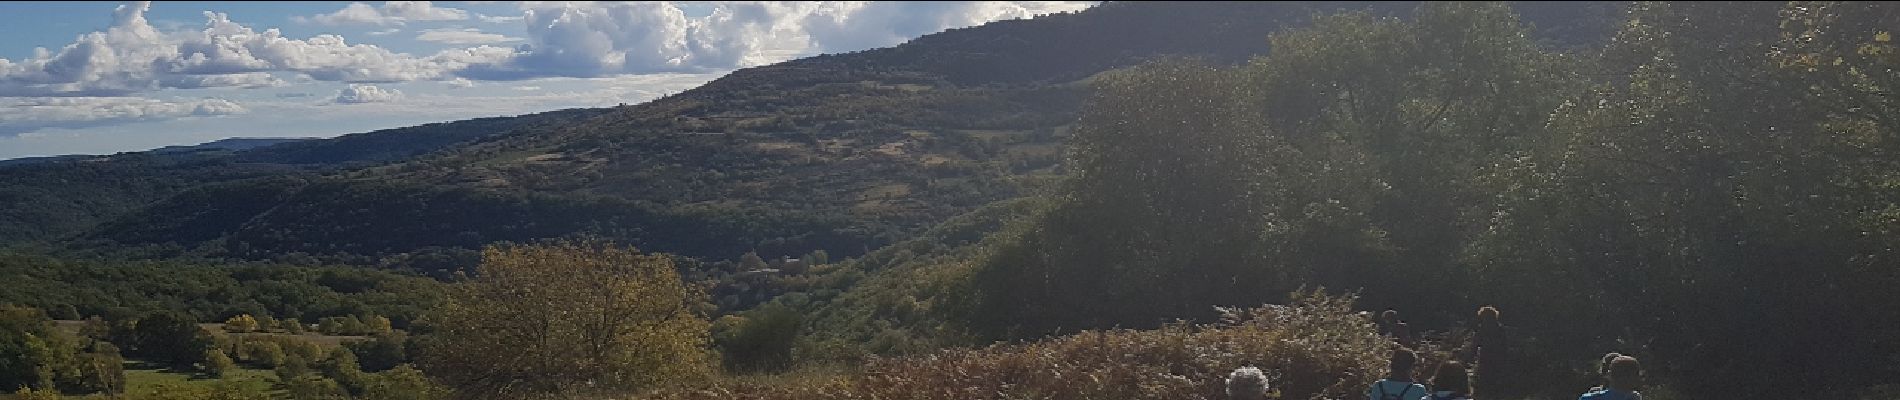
pixel 1316 346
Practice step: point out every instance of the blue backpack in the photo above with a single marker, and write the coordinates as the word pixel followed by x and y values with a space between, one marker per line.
pixel 1606 394
pixel 1391 396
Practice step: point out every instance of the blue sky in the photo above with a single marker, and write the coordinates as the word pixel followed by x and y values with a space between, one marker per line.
pixel 105 77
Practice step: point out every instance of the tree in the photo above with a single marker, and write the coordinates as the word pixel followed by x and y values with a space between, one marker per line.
pixel 27 356
pixel 567 317
pixel 1737 176
pixel 101 370
pixel 64 312
pixel 34 355
pixel 353 326
pixel 172 338
pixel 217 364
pixel 264 323
pixel 291 326
pixel 381 352
pixel 761 341
pixel 262 353
pixel 750 261
pixel 403 382
pixel 241 323
pixel 377 325
pixel 330 326
pixel 313 387
pixel 340 365
pixel 95 328
pixel 818 257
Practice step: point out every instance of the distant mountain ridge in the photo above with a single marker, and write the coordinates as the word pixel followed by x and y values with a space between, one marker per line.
pixel 234 144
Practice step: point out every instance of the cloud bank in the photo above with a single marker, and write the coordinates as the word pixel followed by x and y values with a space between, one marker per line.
pixel 358 94
pixel 391 13
pixel 23 114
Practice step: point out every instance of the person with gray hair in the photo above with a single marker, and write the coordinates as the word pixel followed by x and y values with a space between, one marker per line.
pixel 1247 383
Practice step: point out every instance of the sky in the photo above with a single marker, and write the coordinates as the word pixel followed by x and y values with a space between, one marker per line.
pixel 106 77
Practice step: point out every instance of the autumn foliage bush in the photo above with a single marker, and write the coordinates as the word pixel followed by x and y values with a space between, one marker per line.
pixel 1314 347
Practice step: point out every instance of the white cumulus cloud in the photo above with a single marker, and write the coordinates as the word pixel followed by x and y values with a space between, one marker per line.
pixel 391 13
pixel 463 36
pixel 26 114
pixel 357 94
pixel 497 19
pixel 856 25
pixel 131 56
pixel 589 39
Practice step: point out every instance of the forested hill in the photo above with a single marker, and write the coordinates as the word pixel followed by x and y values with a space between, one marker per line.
pixel 843 153
pixel 49 198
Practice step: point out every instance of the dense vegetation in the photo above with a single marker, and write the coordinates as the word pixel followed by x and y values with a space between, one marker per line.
pixel 75 289
pixel 48 200
pixel 1710 188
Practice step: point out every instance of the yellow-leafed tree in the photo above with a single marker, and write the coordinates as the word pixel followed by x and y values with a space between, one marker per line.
pixel 378 324
pixel 241 323
pixel 567 318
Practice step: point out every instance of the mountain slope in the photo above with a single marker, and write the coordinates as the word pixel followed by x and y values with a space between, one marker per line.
pixel 51 197
pixel 844 153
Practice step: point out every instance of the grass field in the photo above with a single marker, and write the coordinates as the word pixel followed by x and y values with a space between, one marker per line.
pixel 144 380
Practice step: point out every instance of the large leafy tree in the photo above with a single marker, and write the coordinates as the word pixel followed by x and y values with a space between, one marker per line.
pixel 170 337
pixel 1718 201
pixel 1347 158
pixel 567 318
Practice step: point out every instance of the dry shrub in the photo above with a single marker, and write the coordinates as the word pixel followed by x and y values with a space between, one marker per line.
pixel 1317 347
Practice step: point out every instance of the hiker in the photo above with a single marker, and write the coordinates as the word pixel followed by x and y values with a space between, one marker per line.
pixel 1603 370
pixel 1402 334
pixel 1451 382
pixel 1390 324
pixel 1492 351
pixel 1246 383
pixel 1398 385
pixel 1626 377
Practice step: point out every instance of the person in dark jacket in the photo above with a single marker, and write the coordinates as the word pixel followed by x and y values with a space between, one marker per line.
pixel 1493 354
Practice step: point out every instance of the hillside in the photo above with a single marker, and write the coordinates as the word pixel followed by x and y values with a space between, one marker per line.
pixel 843 153
pixel 48 198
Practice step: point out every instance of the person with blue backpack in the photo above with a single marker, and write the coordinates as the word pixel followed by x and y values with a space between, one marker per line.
pixel 1625 377
pixel 1397 384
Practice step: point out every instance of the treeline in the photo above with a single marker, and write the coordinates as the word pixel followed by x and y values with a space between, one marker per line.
pixel 41 361
pixel 1714 189
pixel 74 289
